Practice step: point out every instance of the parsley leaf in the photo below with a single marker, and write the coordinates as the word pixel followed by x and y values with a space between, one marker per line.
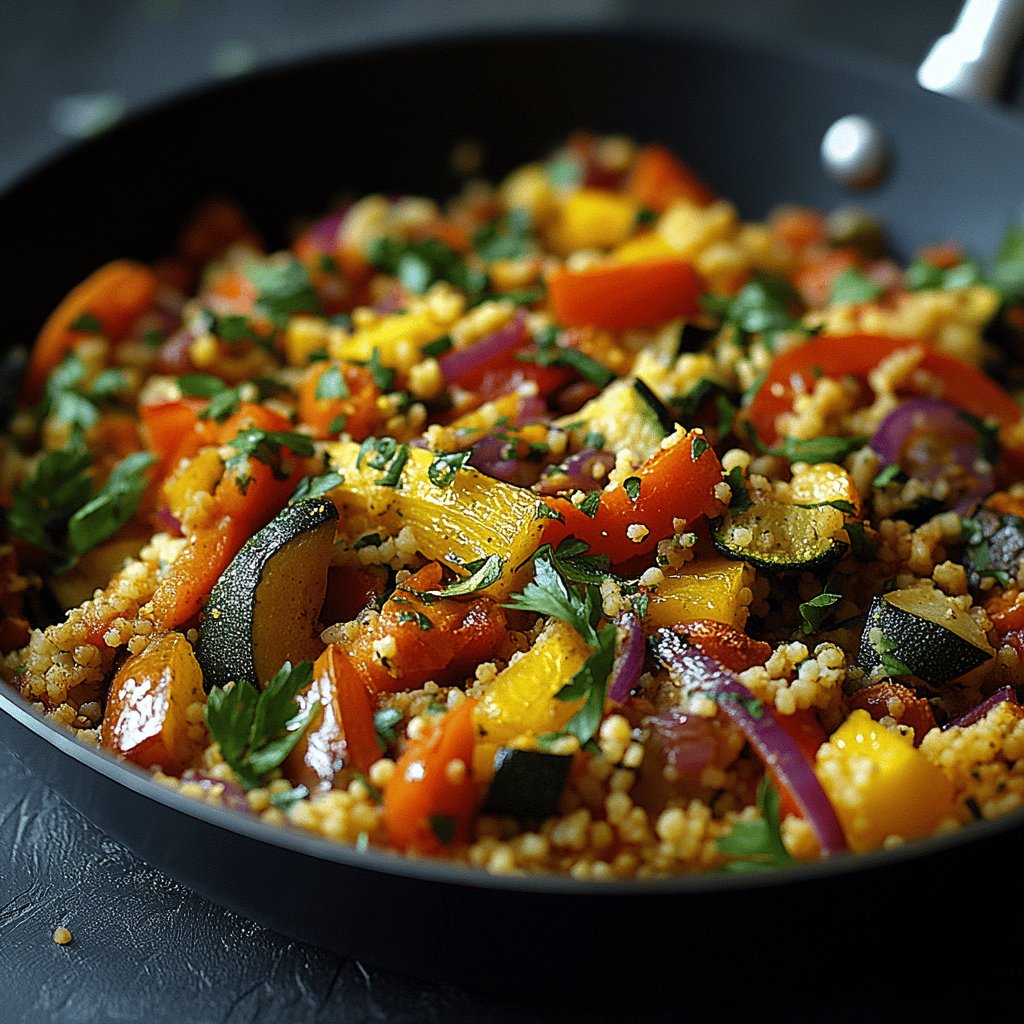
pixel 316 486
pixel 760 307
pixel 549 352
pixel 852 286
pixel 258 729
pixel 112 506
pixel 58 487
pixel 757 845
pixel 814 611
pixel 446 465
pixel 810 450
pixel 332 384
pixel 740 500
pixel 266 446
pixel 384 722
pixel 420 264
pixel 387 455
pixel 548 594
pixel 283 288
pixel 591 683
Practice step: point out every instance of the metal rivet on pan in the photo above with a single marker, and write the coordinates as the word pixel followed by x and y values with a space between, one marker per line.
pixel 855 152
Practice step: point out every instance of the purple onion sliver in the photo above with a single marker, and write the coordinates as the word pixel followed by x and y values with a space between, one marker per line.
pixel 688 740
pixel 166 518
pixel 979 711
pixel 458 363
pixel 324 232
pixel 532 409
pixel 699 671
pixel 891 434
pixel 232 796
pixel 629 660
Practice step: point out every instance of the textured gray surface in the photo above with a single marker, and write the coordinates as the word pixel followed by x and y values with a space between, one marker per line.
pixel 144 948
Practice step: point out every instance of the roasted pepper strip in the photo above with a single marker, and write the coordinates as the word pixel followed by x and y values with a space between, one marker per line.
pixel 659 178
pixel 617 296
pixel 431 798
pixel 857 355
pixel 677 482
pixel 116 295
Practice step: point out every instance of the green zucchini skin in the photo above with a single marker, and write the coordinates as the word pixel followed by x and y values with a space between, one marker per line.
pixel 784 537
pixel 916 637
pixel 628 414
pixel 527 784
pixel 232 626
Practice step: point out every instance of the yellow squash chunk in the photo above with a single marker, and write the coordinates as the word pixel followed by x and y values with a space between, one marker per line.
pixel 397 339
pixel 649 246
pixel 708 588
pixel 595 218
pixel 472 518
pixel 880 784
pixel 520 700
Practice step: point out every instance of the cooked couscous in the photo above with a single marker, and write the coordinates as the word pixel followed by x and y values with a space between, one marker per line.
pixel 573 525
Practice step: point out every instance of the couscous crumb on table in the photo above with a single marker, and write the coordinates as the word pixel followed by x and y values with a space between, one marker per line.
pixel 572 525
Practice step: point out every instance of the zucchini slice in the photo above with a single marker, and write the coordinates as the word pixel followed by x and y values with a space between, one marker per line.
pixel 776 537
pixel 527 783
pixel 263 610
pixel 627 414
pixel 920 629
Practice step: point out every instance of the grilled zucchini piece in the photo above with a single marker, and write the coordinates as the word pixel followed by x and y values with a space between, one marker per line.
pixel 263 610
pixel 921 631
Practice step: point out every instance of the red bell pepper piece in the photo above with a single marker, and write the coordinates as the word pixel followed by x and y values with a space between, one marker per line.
pixel 857 355
pixel 617 296
pixel 677 482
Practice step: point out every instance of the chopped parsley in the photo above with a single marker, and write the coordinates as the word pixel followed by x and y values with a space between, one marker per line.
pixel 384 723
pixel 383 376
pixel 418 265
pixel 446 465
pixel 810 450
pixel 443 826
pixel 548 351
pixel 853 286
pixel 815 611
pixel 591 683
pixel 224 400
pixel 386 455
pixel 257 729
pixel 631 485
pixel 887 475
pixel 331 384
pixel 761 306
pixel 266 446
pixel 590 503
pixel 70 401
pixel 283 289
pixel 58 509
pixel 740 500
pixel 509 237
pixel 757 845
pixel 316 486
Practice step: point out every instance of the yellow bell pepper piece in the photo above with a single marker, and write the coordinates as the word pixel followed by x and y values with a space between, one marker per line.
pixel 708 588
pixel 474 517
pixel 650 246
pixel 520 700
pixel 594 218
pixel 880 784
pixel 397 339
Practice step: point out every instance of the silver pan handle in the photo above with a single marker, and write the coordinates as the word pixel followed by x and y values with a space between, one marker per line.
pixel 972 60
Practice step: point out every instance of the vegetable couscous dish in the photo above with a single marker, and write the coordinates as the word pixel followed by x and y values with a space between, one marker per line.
pixel 574 525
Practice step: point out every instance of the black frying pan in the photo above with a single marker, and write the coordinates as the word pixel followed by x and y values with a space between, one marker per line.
pixel 283 143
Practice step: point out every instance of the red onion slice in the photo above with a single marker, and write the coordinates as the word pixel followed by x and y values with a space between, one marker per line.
pixel 925 418
pixel 459 363
pixel 169 521
pixel 577 472
pixel 629 659
pixel 696 671
pixel 979 711
pixel 324 232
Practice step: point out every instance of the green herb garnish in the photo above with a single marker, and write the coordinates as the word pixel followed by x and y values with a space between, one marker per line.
pixel 257 729
pixel 757 845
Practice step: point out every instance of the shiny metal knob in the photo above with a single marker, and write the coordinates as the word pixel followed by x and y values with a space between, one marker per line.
pixel 855 152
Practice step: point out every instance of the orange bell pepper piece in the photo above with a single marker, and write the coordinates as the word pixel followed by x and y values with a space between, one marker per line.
pixel 617 296
pixel 244 501
pixel 116 294
pixel 431 798
pixel 857 355
pixel 441 639
pixel 357 414
pixel 658 178
pixel 673 484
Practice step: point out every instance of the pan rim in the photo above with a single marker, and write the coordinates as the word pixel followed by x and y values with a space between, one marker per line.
pixel 440 872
